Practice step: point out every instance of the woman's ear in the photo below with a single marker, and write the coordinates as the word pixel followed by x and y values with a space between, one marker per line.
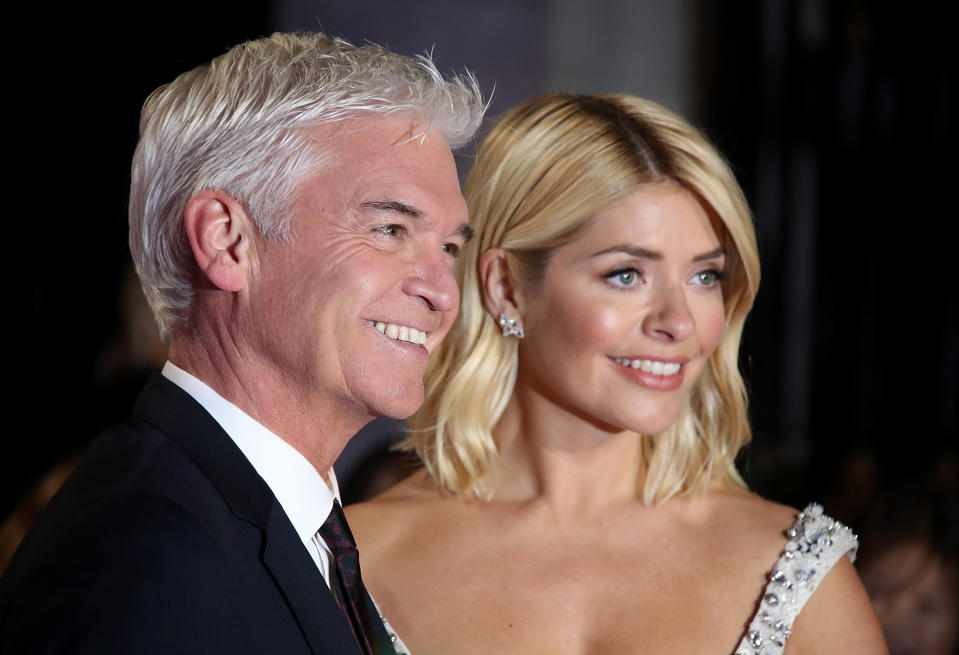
pixel 501 293
pixel 221 235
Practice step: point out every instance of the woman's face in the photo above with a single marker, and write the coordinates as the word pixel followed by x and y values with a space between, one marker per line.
pixel 626 316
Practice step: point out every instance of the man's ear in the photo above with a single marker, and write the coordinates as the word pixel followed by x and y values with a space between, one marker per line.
pixel 501 293
pixel 221 237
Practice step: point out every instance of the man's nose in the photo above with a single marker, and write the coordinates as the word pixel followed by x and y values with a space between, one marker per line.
pixel 669 318
pixel 433 282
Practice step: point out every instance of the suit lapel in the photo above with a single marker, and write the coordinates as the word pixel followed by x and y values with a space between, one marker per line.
pixel 174 412
pixel 305 589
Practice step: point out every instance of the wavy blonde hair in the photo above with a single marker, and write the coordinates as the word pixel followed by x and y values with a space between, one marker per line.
pixel 547 167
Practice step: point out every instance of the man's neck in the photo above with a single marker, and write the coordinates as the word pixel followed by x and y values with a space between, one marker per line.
pixel 317 427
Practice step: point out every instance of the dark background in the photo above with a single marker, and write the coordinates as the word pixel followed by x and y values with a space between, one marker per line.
pixel 839 118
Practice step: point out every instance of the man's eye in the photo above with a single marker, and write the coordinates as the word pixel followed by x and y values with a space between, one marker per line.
pixel 452 249
pixel 391 229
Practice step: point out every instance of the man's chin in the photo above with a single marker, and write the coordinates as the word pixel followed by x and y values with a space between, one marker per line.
pixel 400 406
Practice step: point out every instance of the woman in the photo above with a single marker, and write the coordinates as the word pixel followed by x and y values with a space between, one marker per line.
pixel 583 417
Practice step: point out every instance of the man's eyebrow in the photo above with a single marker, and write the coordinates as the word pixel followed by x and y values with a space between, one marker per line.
pixel 645 253
pixel 466 232
pixel 393 206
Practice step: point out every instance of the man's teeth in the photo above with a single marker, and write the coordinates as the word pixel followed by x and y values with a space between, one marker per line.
pixel 650 366
pixel 401 332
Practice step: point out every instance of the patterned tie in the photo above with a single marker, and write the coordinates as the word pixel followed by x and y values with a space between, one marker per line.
pixel 347 581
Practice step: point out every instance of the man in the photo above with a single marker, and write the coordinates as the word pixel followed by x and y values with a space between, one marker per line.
pixel 294 215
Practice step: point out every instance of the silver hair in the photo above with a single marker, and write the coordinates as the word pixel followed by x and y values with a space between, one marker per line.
pixel 238 125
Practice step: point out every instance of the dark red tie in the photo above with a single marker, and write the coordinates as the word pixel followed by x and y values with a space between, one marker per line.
pixel 346 579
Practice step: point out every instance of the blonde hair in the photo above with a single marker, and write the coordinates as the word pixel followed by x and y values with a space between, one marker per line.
pixel 547 167
pixel 238 124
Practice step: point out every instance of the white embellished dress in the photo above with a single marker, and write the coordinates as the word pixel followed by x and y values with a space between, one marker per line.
pixel 814 544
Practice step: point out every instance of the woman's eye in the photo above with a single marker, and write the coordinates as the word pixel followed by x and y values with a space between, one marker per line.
pixel 625 277
pixel 709 278
pixel 391 229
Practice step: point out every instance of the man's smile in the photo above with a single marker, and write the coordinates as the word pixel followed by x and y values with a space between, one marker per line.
pixel 400 332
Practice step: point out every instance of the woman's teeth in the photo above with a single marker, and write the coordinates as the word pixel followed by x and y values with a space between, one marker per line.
pixel 650 366
pixel 401 332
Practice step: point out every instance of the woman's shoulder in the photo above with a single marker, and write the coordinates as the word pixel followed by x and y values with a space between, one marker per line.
pixel 807 570
pixel 409 494
pixel 747 523
pixel 815 574
pixel 398 512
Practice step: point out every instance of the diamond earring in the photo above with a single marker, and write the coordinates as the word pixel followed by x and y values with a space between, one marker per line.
pixel 511 327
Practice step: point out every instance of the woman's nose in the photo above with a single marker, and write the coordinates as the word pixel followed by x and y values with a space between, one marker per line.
pixel 669 318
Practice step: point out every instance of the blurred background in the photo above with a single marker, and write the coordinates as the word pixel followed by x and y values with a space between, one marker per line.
pixel 838 117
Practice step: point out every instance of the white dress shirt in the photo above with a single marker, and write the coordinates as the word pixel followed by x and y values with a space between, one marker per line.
pixel 297 485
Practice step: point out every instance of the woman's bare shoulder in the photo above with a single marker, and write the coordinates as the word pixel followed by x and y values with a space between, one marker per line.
pixel 406 496
pixel 386 518
pixel 735 501
pixel 749 523
pixel 838 617
pixel 416 487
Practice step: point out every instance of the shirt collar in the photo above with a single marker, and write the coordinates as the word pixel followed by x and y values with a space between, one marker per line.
pixel 297 485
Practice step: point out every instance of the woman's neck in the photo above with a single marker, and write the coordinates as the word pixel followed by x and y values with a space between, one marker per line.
pixel 554 457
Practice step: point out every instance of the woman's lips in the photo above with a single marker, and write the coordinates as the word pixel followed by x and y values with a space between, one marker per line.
pixel 652 373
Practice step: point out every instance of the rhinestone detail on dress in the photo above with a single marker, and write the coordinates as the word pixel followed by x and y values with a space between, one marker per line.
pixel 398 644
pixel 815 543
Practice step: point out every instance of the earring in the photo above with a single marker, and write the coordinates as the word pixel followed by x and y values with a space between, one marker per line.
pixel 511 327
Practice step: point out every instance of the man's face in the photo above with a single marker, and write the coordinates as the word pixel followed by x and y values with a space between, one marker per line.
pixel 350 309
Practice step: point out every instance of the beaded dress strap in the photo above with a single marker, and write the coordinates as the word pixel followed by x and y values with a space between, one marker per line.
pixel 816 542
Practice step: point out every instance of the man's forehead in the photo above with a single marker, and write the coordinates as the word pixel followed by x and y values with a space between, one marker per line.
pixel 382 162
pixel 370 134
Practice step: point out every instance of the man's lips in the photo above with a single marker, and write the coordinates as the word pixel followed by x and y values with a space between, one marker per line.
pixel 400 332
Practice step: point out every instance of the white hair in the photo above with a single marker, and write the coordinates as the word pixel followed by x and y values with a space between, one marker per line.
pixel 238 125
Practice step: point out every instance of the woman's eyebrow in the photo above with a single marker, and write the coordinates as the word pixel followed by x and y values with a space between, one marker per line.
pixel 633 250
pixel 712 254
pixel 646 253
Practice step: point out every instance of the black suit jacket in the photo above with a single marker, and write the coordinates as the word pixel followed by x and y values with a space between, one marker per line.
pixel 166 540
